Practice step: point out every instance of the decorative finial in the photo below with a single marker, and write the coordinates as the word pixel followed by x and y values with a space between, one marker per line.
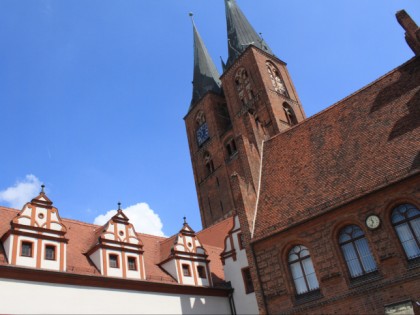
pixel 119 205
pixel 185 220
pixel 191 15
pixel 42 189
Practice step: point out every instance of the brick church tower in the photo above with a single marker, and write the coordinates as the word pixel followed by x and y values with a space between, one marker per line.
pixel 231 115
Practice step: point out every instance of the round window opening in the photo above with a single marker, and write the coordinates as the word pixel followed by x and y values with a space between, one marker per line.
pixel 41 215
pixel 121 233
pixel 189 244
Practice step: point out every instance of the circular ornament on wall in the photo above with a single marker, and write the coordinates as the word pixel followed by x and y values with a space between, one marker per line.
pixel 373 222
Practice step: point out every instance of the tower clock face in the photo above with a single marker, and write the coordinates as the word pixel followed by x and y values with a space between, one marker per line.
pixel 202 134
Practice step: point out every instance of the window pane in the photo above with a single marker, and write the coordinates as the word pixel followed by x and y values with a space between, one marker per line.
pixel 397 217
pixel 296 270
pixel 312 282
pixel 132 265
pixel 26 249
pixel 50 252
pixel 351 259
pixel 365 254
pixel 310 274
pixel 412 211
pixel 308 267
pixel 113 261
pixel 300 286
pixel 415 224
pixel 407 241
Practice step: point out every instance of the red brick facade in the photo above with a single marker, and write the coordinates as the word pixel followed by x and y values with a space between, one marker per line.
pixel 247 116
pixel 300 183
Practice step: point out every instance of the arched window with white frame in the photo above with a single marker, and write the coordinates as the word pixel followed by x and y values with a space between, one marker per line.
pixel 356 251
pixel 302 269
pixel 406 221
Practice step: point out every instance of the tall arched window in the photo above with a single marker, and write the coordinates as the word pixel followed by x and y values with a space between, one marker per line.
pixel 356 251
pixel 208 162
pixel 243 86
pixel 290 114
pixel 406 221
pixel 302 270
pixel 275 78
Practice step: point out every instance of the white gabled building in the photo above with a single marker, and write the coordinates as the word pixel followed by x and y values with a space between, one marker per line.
pixel 236 269
pixel 64 266
pixel 36 237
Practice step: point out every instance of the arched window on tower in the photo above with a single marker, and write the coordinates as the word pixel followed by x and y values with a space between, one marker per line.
pixel 356 251
pixel 290 114
pixel 202 131
pixel 231 148
pixel 208 162
pixel 302 269
pixel 406 221
pixel 276 79
pixel 243 86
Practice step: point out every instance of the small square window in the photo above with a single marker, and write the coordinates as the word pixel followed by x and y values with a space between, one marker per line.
pixel 132 263
pixel 186 270
pixel 26 249
pixel 50 252
pixel 201 272
pixel 249 286
pixel 113 261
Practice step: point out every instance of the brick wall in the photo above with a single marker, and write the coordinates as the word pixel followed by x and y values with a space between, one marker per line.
pixel 397 279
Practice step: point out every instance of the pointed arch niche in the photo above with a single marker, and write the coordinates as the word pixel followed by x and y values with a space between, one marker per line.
pixel 276 79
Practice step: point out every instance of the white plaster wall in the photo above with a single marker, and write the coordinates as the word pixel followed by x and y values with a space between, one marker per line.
pixel 26 261
pixel 201 281
pixel 133 274
pixel 7 245
pixel 187 280
pixel 96 258
pixel 170 267
pixel 50 264
pixel 244 303
pixel 66 299
pixel 114 272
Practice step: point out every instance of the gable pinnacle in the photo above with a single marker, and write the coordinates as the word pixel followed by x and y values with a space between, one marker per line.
pixel 206 76
pixel 241 34
pixel 42 189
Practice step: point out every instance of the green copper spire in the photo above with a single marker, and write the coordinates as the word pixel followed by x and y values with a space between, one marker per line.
pixel 240 33
pixel 206 76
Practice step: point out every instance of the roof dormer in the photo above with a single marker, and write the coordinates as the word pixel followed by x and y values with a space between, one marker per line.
pixel 37 236
pixel 187 260
pixel 118 251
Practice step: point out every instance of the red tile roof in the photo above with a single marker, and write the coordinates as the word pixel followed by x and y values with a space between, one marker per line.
pixel 82 235
pixel 368 139
pixel 215 235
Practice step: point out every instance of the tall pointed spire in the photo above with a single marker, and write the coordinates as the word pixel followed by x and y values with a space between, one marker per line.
pixel 206 76
pixel 241 34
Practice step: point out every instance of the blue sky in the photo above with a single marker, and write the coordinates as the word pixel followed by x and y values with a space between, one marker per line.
pixel 93 92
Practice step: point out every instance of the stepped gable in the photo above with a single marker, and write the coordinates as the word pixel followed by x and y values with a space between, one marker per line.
pixel 82 235
pixel 367 140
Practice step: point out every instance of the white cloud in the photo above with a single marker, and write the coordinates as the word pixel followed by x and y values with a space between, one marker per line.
pixel 144 219
pixel 22 192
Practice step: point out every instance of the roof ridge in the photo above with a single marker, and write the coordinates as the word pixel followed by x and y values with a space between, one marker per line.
pixel 334 105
